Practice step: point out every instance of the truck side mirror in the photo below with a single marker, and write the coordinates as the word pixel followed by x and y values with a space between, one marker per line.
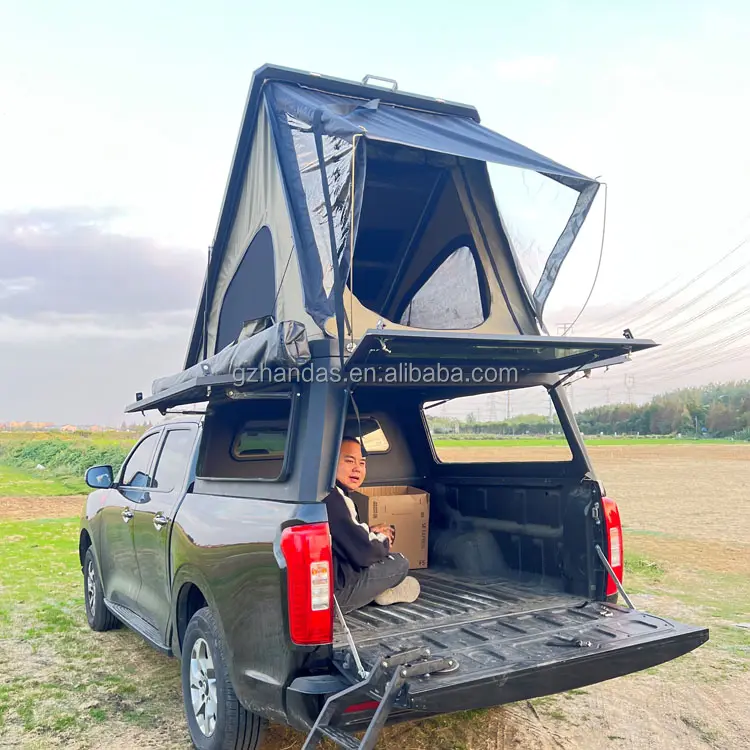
pixel 100 477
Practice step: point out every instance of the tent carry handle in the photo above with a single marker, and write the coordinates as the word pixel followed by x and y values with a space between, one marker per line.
pixel 368 77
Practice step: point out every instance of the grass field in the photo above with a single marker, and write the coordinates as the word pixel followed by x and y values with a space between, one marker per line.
pixel 686 511
pixel 65 457
pixel 16 482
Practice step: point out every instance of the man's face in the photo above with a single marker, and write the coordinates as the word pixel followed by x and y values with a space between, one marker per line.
pixel 352 466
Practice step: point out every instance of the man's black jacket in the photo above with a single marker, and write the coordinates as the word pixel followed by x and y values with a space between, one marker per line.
pixel 354 546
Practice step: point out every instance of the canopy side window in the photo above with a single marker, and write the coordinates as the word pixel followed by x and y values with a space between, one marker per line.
pixel 249 439
pixel 449 296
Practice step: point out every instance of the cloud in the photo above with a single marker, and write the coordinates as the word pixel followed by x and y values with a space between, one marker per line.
pixel 68 261
pixel 88 316
pixel 11 287
pixel 527 69
pixel 49 327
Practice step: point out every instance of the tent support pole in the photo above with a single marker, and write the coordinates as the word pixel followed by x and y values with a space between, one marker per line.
pixel 338 290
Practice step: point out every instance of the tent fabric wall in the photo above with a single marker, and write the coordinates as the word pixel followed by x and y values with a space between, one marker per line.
pixel 262 204
pixel 447 223
pixel 450 297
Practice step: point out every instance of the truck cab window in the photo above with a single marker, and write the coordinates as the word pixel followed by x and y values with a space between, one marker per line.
pixel 135 472
pixel 173 460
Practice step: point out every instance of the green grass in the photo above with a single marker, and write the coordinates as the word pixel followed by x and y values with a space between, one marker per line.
pixel 647 570
pixel 65 459
pixel 15 482
pixel 716 600
pixel 66 684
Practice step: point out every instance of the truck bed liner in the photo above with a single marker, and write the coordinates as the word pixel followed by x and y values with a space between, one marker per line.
pixel 447 598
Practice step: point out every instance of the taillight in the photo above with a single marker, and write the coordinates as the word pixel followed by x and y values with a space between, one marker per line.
pixel 307 551
pixel 614 542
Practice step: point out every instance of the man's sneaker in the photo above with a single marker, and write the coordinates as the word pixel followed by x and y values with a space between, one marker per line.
pixel 407 592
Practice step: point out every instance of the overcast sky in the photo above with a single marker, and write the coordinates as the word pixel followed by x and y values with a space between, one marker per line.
pixel 118 123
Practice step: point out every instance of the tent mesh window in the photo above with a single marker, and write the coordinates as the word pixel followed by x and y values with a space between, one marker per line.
pixel 337 160
pixel 450 299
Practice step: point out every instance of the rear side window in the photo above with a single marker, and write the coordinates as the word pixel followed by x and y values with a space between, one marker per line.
pixel 174 460
pixel 373 438
pixel 518 426
pixel 249 438
pixel 376 441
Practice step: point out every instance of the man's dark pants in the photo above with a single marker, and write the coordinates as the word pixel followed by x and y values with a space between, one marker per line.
pixel 372 581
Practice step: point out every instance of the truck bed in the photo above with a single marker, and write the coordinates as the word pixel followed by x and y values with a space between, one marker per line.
pixel 450 599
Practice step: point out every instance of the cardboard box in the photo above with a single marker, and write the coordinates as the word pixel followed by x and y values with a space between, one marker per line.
pixel 406 508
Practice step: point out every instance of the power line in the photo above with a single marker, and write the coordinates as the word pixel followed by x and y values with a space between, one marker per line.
pixel 685 306
pixel 643 314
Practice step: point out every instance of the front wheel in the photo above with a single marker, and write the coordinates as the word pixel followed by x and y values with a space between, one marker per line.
pixel 97 614
pixel 216 719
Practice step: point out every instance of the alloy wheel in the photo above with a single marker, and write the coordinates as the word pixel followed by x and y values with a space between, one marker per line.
pixel 203 687
pixel 91 587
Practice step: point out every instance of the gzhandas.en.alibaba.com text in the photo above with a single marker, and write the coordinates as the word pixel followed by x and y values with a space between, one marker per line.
pixel 403 372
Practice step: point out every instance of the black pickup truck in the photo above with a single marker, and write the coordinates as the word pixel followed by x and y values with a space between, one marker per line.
pixel 207 540
pixel 362 275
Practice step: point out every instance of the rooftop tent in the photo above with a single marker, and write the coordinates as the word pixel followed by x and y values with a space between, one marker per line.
pixel 351 207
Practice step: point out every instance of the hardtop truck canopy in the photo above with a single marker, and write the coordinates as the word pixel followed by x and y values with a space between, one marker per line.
pixel 351 207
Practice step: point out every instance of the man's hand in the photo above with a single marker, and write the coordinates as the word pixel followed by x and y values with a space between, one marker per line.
pixel 384 529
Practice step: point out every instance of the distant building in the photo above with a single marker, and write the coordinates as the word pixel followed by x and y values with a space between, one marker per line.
pixel 69 428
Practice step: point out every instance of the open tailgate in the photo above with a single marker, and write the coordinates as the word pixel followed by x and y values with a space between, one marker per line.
pixel 516 657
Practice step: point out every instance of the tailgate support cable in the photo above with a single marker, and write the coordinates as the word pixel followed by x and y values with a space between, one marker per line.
pixel 612 575
pixel 350 640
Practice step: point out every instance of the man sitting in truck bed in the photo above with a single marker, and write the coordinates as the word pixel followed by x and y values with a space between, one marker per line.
pixel 364 568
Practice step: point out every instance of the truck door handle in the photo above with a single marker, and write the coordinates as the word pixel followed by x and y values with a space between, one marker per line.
pixel 160 521
pixel 127 514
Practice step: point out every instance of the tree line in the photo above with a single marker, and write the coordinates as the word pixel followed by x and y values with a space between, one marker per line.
pixel 713 411
pixel 718 411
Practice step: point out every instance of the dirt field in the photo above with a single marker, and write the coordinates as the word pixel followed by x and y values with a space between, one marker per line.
pixel 686 512
pixel 25 508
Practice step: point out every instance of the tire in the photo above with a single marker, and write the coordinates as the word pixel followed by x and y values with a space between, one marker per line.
pixel 97 614
pixel 230 726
